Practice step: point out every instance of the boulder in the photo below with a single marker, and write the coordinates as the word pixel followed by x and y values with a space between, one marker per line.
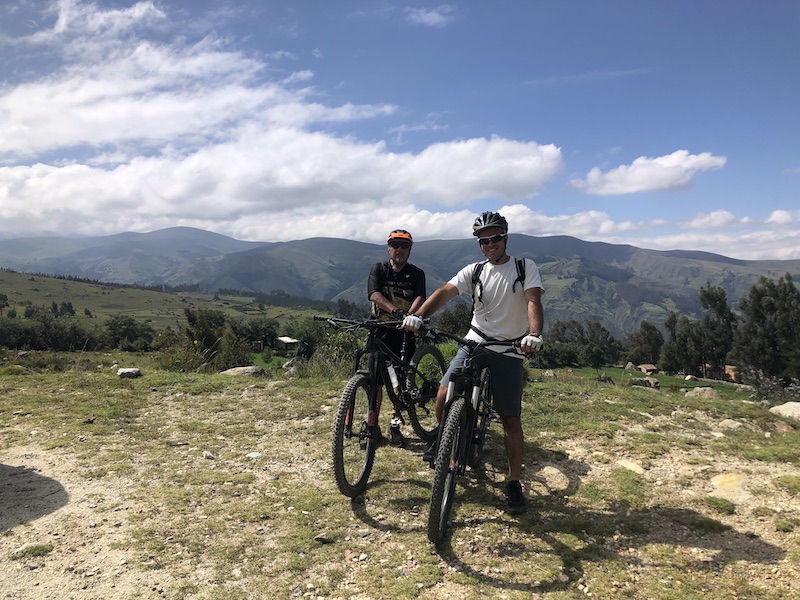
pixel 702 392
pixel 788 409
pixel 239 371
pixel 129 373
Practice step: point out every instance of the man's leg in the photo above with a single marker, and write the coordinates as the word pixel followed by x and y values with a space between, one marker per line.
pixel 441 396
pixel 514 441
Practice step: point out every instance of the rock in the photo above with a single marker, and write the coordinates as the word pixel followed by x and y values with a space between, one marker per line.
pixel 789 409
pixel 730 424
pixel 130 373
pixel 251 370
pixel 702 392
pixel 731 487
pixel 690 378
pixel 648 382
pixel 631 466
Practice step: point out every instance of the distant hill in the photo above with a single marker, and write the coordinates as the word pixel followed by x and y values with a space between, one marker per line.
pixel 617 285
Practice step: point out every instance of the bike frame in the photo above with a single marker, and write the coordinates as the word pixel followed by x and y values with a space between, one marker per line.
pixel 466 383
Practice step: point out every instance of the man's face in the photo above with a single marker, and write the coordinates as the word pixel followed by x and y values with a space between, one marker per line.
pixel 399 251
pixel 493 243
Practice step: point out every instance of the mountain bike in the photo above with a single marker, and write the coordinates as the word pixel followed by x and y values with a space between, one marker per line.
pixel 416 378
pixel 460 441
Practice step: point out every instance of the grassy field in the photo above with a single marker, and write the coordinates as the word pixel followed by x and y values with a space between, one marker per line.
pixel 219 488
pixel 159 309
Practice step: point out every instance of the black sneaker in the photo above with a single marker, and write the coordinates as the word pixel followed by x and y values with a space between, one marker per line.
pixel 515 499
pixel 380 439
pixel 396 437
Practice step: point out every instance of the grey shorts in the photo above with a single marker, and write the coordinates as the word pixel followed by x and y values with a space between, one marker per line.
pixel 507 378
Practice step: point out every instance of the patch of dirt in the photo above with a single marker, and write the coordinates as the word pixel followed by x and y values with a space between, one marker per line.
pixel 45 500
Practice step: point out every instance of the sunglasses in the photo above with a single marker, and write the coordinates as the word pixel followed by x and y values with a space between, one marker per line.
pixel 491 240
pixel 400 244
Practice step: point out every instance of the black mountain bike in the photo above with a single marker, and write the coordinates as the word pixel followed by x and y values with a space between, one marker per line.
pixel 356 430
pixel 466 417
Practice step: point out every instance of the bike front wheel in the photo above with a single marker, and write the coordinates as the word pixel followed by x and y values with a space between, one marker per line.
pixel 354 440
pixel 483 417
pixel 446 469
pixel 427 368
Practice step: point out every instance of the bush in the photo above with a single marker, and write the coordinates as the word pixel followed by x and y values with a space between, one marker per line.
pixel 770 389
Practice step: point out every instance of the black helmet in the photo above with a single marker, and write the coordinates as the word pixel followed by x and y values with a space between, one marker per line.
pixel 489 219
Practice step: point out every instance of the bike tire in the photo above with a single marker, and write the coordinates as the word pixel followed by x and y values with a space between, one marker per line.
pixel 428 360
pixel 446 471
pixel 483 417
pixel 354 441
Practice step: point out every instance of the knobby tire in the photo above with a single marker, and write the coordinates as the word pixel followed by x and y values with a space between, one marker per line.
pixel 483 416
pixel 446 472
pixel 428 360
pixel 354 446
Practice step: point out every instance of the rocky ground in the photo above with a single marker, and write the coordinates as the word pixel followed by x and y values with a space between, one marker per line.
pixel 46 499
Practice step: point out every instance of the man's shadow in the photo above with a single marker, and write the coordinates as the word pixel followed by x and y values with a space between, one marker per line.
pixel 551 515
pixel 26 495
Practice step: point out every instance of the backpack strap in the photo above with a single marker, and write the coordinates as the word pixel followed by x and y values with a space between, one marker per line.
pixel 476 281
pixel 520 275
pixel 477 284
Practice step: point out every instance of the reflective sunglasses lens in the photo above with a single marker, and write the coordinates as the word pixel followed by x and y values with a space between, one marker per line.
pixel 491 240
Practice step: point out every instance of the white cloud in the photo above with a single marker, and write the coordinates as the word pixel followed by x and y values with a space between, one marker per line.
pixel 441 16
pixel 665 173
pixel 780 217
pixel 715 219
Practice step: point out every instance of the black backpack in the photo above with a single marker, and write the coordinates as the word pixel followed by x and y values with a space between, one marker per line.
pixel 477 284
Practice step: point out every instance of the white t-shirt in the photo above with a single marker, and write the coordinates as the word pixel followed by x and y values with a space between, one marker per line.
pixel 502 313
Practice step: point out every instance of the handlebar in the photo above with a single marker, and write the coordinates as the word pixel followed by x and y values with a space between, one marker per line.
pixel 371 324
pixel 427 332
pixel 515 344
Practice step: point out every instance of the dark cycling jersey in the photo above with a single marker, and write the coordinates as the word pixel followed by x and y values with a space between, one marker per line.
pixel 400 288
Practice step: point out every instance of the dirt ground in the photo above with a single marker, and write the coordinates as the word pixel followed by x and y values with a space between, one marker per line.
pixel 45 499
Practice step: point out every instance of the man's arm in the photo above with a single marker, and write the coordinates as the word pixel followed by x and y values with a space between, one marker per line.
pixel 382 302
pixel 437 300
pixel 533 300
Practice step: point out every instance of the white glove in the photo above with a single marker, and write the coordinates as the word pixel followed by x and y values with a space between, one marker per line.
pixel 412 323
pixel 534 341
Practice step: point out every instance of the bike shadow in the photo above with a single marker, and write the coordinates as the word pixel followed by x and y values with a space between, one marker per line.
pixel 607 534
pixel 26 495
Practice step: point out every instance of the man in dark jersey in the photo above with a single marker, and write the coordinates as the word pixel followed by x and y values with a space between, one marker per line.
pixel 396 288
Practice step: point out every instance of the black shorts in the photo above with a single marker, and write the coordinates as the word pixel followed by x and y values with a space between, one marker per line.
pixel 508 374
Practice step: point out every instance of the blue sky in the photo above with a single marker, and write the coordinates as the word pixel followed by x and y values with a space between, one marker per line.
pixel 665 125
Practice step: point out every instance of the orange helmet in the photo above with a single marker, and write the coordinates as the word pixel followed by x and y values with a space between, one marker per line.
pixel 400 234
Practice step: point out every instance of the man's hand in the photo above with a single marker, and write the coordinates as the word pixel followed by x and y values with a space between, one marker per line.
pixel 412 323
pixel 530 343
pixel 398 313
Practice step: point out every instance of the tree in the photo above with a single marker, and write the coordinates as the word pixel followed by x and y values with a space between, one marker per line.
pixel 455 320
pixel 718 327
pixel 126 333
pixel 644 345
pixel 683 351
pixel 769 339
pixel 601 337
pixel 3 303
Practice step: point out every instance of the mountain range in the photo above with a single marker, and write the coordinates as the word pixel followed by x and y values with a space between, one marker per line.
pixel 617 285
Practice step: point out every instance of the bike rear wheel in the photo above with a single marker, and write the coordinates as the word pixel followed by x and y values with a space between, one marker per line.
pixel 427 368
pixel 354 441
pixel 446 471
